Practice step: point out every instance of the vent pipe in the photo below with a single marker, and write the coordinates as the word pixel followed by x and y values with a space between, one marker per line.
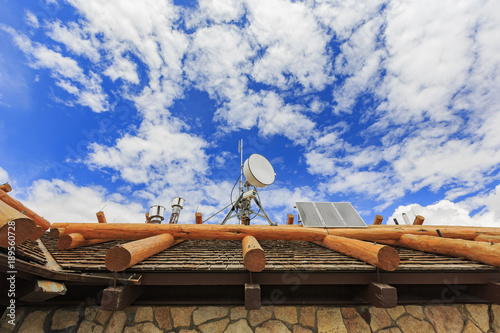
pixel 156 214
pixel 177 204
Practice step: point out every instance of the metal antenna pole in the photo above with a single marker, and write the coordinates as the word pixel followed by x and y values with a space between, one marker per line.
pixel 240 149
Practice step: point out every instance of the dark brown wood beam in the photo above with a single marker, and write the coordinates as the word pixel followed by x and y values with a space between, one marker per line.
pixel 489 292
pixel 252 296
pixel 381 295
pixel 119 297
pixel 42 290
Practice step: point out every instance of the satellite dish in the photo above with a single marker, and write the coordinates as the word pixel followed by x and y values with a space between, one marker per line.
pixel 258 171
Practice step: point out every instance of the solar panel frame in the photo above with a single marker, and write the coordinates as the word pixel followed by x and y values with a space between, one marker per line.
pixel 329 215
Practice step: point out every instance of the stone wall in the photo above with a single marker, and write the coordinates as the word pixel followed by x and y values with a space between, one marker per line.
pixel 300 319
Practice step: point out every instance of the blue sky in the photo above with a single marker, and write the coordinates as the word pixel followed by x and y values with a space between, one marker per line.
pixel 392 106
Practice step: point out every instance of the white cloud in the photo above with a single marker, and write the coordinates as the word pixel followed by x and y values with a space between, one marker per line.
pixel 62 201
pixel 4 176
pixel 32 20
pixel 89 93
pixel 294 45
pixel 76 38
pixel 159 155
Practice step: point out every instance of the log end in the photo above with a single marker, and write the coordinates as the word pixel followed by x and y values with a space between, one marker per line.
pixel 22 230
pixel 388 258
pixel 255 260
pixel 118 259
pixel 39 231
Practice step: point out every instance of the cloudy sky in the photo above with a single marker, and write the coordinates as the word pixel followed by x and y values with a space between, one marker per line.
pixel 392 106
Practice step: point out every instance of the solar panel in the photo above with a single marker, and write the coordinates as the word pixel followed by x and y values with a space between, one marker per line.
pixel 329 215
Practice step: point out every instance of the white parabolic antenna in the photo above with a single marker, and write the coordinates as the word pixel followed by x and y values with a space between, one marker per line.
pixel 258 171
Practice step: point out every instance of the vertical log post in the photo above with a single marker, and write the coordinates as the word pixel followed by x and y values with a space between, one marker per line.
pixel 101 218
pixel 198 218
pixel 122 257
pixel 14 226
pixel 378 220
pixel 290 219
pixel 254 256
pixel 147 218
pixel 419 220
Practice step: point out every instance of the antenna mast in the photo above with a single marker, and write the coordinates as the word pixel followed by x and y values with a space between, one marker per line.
pixel 240 150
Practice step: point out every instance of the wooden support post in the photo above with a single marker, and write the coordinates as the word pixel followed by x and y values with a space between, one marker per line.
pixel 119 297
pixel 476 251
pixel 419 220
pixel 252 296
pixel 382 256
pixel 55 233
pixel 37 233
pixel 122 257
pixel 147 218
pixel 290 218
pixel 378 219
pixel 6 188
pixel 21 208
pixel 489 292
pixel 42 290
pixel 72 241
pixel 254 256
pixel 487 238
pixel 101 218
pixel 198 218
pixel 381 295
pixel 15 227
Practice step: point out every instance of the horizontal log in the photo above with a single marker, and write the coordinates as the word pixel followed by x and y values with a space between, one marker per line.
pixel 55 233
pixel 71 241
pixel 381 256
pixel 254 257
pixel 394 232
pixel 483 252
pixel 14 226
pixel 131 231
pixel 122 257
pixel 25 210
pixel 6 188
pixel 37 233
pixel 487 238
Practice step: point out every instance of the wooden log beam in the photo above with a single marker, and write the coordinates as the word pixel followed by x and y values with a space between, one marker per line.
pixel 252 296
pixel 289 219
pixel 15 227
pixel 119 297
pixel 381 295
pixel 381 256
pixel 25 210
pixel 487 238
pixel 6 188
pixel 101 218
pixel 37 233
pixel 198 217
pixel 42 290
pixel 71 241
pixel 122 257
pixel 254 256
pixel 378 220
pixel 132 231
pixel 419 220
pixel 477 251
pixel 55 233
